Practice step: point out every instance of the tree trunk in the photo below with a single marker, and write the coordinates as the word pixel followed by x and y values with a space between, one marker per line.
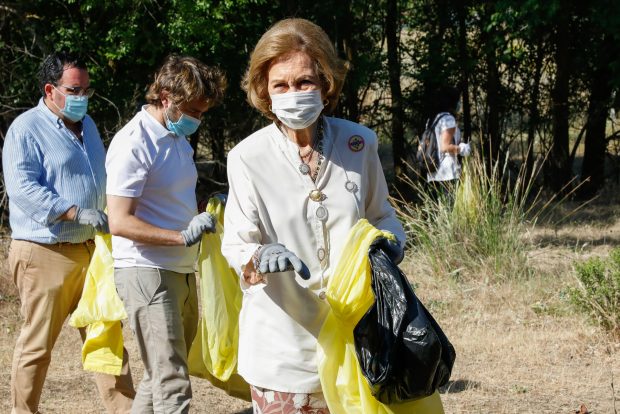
pixel 346 46
pixel 593 167
pixel 461 9
pixel 435 78
pixel 558 167
pixel 392 28
pixel 533 110
pixel 491 138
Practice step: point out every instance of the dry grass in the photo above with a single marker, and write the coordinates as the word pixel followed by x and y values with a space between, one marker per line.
pixel 68 388
pixel 520 346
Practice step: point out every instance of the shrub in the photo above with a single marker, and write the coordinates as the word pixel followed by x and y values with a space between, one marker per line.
pixel 598 290
pixel 475 228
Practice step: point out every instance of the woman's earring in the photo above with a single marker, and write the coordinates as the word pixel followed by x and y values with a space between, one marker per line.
pixel 325 102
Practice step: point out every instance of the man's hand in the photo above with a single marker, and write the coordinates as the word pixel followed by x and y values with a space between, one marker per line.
pixel 274 257
pixel 91 217
pixel 202 223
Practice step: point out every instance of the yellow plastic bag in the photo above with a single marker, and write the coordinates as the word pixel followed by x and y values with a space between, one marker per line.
pixel 213 354
pixel 101 310
pixel 350 296
pixel 103 348
pixel 235 386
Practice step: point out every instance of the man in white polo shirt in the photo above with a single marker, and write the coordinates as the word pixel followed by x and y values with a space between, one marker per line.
pixel 154 220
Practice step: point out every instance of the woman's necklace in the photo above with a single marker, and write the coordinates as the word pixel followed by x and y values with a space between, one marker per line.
pixel 306 159
pixel 304 167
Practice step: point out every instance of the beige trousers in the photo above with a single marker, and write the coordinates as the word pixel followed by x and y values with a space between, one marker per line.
pixel 50 279
pixel 162 307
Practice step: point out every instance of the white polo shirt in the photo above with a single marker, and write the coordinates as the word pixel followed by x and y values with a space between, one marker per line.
pixel 148 162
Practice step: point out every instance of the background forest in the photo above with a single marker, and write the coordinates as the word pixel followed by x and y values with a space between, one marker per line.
pixel 541 79
pixel 527 288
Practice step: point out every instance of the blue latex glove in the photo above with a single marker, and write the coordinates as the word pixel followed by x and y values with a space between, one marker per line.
pixel 91 217
pixel 202 223
pixel 274 257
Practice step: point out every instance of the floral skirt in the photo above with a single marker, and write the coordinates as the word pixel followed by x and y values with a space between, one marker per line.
pixel 265 401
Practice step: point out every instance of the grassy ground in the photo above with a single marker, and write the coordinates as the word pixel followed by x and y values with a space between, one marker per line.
pixel 520 346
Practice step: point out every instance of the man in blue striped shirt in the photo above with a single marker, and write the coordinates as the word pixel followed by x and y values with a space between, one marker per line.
pixel 54 169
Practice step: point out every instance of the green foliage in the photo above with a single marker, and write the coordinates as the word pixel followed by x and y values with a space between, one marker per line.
pixel 474 228
pixel 503 50
pixel 598 290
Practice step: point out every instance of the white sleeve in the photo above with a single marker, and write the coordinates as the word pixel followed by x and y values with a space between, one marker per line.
pixel 242 234
pixel 127 168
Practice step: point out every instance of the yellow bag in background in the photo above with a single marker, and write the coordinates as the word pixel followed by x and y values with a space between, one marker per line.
pixel 350 296
pixel 213 354
pixel 101 310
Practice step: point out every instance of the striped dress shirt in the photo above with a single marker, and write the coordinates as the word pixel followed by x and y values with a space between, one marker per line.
pixel 46 171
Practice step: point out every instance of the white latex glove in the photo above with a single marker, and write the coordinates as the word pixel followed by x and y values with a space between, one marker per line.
pixel 92 217
pixel 202 223
pixel 274 257
pixel 464 149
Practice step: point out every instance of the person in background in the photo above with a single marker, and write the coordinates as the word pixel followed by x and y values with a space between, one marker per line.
pixel 54 169
pixel 297 187
pixel 449 140
pixel 156 226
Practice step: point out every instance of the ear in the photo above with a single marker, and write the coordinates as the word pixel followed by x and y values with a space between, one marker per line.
pixel 164 98
pixel 48 88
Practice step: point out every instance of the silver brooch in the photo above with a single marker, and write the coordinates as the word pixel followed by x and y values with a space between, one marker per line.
pixel 321 213
pixel 350 186
pixel 304 168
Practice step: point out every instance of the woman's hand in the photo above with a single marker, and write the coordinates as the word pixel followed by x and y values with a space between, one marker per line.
pixel 250 273
pixel 254 278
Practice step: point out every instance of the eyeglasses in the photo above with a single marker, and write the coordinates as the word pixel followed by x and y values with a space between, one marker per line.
pixel 79 91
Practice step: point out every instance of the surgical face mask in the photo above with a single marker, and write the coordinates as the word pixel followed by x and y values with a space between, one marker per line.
pixel 297 110
pixel 75 106
pixel 184 126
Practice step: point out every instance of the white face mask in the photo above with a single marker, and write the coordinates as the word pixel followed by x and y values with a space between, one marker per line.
pixel 297 110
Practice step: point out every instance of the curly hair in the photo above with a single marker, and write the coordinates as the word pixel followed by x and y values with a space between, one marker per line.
pixel 285 37
pixel 186 79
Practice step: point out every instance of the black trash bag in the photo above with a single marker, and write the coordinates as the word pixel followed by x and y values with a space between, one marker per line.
pixel 402 351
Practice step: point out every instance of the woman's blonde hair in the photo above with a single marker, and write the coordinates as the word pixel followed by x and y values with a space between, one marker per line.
pixel 186 79
pixel 287 36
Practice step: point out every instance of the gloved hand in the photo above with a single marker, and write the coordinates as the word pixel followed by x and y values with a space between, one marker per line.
pixel 274 257
pixel 202 223
pixel 394 250
pixel 91 217
pixel 464 149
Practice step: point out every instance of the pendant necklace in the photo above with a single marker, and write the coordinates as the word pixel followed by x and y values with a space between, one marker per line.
pixel 317 142
pixel 304 167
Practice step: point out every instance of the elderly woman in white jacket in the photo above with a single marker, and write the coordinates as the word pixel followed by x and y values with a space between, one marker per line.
pixel 297 187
